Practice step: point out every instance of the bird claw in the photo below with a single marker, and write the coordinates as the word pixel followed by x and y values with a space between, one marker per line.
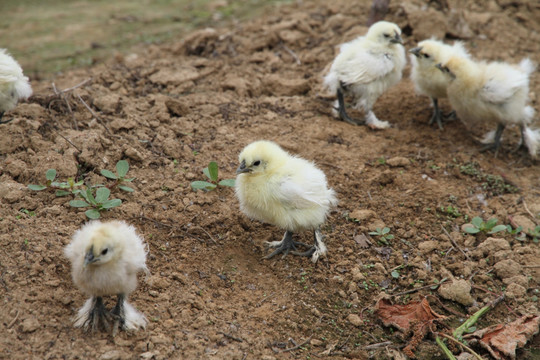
pixel 283 247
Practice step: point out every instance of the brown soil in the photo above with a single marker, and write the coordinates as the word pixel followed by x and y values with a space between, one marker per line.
pixel 171 109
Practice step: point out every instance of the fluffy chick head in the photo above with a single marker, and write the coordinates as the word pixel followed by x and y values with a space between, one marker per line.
pixel 385 32
pixel 260 157
pixel 103 246
pixel 427 51
pixel 455 67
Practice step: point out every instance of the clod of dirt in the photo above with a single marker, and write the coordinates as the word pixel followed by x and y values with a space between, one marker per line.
pixel 108 103
pixel 279 85
pixel 515 291
pixel 114 355
pixel 507 268
pixel 524 222
pixel 398 161
pixel 362 215
pixel 428 246
pixel 176 107
pixel 30 325
pixel 458 291
pixel 518 279
pixel 10 191
pixel 384 178
pixel 355 319
pixel 491 245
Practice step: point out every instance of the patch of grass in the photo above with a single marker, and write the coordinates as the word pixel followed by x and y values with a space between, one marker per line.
pixel 492 184
pixel 478 225
pixel 383 234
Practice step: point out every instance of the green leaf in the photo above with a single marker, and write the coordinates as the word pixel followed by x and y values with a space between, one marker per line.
pixel 128 180
pixel 78 183
pixel 92 214
pixel 207 173
pixel 228 182
pixel 90 197
pixel 122 168
pixel 62 193
pixel 385 230
pixel 373 233
pixel 111 203
pixel 102 194
pixel 50 174
pixel 63 185
pixel 213 170
pixel 477 221
pixel 491 223
pixel 125 188
pixel 37 187
pixel 497 229
pixel 395 274
pixel 202 185
pixel 78 203
pixel 389 237
pixel 108 174
pixel 471 229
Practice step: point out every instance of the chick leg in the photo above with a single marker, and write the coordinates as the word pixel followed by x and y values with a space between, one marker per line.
pixel 318 248
pixel 119 311
pixel 284 246
pixel 3 122
pixel 496 144
pixel 521 145
pixel 374 123
pixel 437 116
pixel 342 113
pixel 99 317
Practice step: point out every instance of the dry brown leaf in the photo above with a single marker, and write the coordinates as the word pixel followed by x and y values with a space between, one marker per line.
pixel 502 340
pixel 362 241
pixel 416 317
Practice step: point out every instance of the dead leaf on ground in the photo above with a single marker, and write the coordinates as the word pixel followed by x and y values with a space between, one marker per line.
pixel 362 241
pixel 502 340
pixel 416 317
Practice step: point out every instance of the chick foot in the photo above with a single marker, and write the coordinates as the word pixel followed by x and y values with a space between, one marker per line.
pixel 318 249
pixel 3 122
pixel 374 123
pixel 284 246
pixel 119 315
pixel 437 116
pixel 342 113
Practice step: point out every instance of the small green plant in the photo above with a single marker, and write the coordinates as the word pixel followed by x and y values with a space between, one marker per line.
pixel 451 211
pixel 478 225
pixel 535 234
pixel 94 196
pixel 211 173
pixel 383 234
pixel 122 167
pixel 97 203
pixel 520 235
pixel 493 184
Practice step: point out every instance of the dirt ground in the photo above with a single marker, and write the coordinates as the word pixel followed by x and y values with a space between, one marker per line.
pixel 170 109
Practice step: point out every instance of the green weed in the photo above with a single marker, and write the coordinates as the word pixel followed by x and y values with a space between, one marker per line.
pixel 478 225
pixel 211 173
pixel 383 234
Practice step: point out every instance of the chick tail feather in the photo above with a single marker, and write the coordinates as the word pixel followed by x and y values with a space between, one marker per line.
pixel 527 66
pixel 133 319
pixel 532 140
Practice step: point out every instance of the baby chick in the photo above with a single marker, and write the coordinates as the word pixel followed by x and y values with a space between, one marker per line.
pixel 284 190
pixel 105 259
pixel 366 67
pixel 13 84
pixel 427 78
pixel 494 92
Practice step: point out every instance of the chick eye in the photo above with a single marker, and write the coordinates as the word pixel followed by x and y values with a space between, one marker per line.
pixel 257 163
pixel 426 56
pixel 104 252
pixel 386 35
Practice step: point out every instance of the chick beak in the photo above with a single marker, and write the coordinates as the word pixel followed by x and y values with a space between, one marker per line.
pixel 397 39
pixel 242 168
pixel 416 51
pixel 439 66
pixel 89 258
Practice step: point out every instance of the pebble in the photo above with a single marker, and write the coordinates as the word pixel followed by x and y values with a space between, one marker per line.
pixel 355 319
pixel 30 325
pixel 458 291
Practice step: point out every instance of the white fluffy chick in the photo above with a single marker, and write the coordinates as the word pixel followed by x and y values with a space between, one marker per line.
pixel 492 92
pixel 284 190
pixel 105 258
pixel 427 78
pixel 366 67
pixel 13 84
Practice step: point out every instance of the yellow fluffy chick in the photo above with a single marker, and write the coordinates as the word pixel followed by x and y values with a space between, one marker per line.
pixel 493 92
pixel 284 190
pixel 427 78
pixel 365 68
pixel 105 259
pixel 13 84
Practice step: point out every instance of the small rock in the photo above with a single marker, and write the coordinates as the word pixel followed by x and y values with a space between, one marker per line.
pixel 316 342
pixel 362 214
pixel 457 290
pixel 133 154
pixel 176 107
pixel 515 291
pixel 384 178
pixel 107 103
pixel 114 355
pixel 507 268
pixel 157 282
pixel 354 319
pixel 398 161
pixel 30 325
pixel 148 355
pixel 160 339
